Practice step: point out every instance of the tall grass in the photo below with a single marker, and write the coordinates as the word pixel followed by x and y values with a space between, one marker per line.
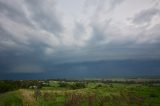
pixel 11 99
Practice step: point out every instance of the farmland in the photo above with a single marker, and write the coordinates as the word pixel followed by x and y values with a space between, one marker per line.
pixel 80 93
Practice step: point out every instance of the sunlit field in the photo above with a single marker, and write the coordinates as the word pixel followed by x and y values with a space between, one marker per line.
pixel 80 93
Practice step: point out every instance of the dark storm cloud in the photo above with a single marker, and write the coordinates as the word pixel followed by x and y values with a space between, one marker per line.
pixel 115 3
pixel 37 37
pixel 45 15
pixel 79 30
pixel 145 15
pixel 34 13
pixel 101 32
pixel 14 14
pixel 100 4
pixel 98 69
pixel 21 25
pixel 9 43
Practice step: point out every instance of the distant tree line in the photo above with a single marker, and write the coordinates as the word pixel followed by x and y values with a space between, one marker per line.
pixel 126 81
pixel 9 85
pixel 75 85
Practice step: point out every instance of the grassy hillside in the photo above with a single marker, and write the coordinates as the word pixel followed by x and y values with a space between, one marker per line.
pixel 12 98
pixel 92 94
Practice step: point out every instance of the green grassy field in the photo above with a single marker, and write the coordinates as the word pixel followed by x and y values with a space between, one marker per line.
pixel 93 94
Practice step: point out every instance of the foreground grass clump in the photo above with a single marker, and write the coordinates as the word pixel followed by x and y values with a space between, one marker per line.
pixel 11 99
pixel 62 93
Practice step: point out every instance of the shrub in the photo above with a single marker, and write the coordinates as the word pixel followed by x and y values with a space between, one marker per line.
pixel 6 86
pixel 98 86
pixel 48 96
pixel 37 93
pixel 63 84
pixel 78 85
pixel 153 95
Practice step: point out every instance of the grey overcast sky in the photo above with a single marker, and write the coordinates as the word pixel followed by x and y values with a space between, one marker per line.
pixel 79 38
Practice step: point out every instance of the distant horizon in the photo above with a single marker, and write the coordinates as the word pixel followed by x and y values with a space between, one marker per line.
pixel 94 78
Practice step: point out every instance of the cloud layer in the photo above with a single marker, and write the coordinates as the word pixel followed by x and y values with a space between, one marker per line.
pixel 34 33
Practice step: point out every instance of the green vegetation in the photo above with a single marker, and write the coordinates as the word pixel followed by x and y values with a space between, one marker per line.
pixel 11 99
pixel 10 85
pixel 83 93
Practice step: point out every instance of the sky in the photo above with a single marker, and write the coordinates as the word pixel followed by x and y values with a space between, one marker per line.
pixel 47 39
